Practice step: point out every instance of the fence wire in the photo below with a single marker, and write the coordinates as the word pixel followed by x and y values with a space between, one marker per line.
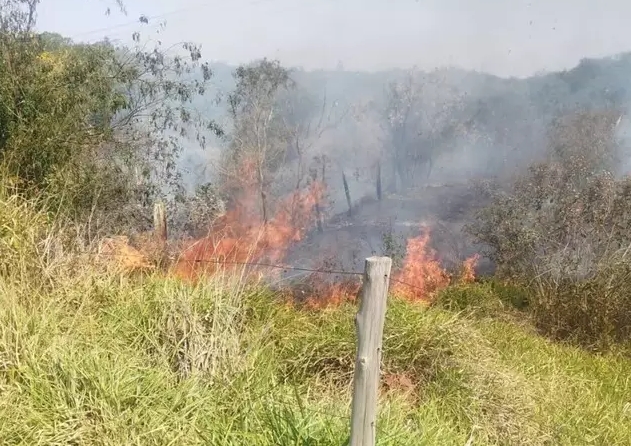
pixel 282 267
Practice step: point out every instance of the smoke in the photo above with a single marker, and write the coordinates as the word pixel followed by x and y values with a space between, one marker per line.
pixel 623 133
pixel 469 125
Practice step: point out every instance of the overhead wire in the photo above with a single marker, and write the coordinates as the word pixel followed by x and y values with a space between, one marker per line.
pixel 149 19
pixel 146 21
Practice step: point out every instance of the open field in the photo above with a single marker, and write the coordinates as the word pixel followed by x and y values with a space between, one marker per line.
pixel 96 359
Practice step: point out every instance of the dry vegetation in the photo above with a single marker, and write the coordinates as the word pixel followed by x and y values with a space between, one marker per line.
pixel 563 231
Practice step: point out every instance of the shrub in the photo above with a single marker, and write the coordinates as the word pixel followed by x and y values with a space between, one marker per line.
pixel 594 311
pixel 563 229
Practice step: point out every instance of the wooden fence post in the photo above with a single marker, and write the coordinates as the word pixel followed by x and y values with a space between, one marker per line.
pixel 369 324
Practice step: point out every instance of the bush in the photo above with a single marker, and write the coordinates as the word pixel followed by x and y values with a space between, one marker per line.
pixel 564 230
pixel 193 215
pixel 594 312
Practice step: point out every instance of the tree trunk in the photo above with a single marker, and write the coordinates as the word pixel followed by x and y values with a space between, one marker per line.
pixel 393 181
pixel 262 193
pixel 348 195
pixel 379 192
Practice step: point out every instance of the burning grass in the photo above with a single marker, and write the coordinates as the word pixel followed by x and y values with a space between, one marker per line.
pixel 422 274
pixel 118 252
pixel 242 236
pixel 241 240
pixel 419 279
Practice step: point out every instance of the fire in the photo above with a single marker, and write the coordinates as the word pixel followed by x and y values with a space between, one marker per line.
pixel 325 295
pixel 241 236
pixel 420 277
pixel 421 274
pixel 118 252
pixel 467 274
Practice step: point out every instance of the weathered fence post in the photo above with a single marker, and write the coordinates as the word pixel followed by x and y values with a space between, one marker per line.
pixel 369 324
pixel 160 222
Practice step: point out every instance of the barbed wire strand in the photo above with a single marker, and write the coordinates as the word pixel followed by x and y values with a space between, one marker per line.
pixel 278 266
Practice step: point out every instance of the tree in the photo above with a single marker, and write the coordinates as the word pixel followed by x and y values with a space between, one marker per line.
pixel 96 126
pixel 259 136
pixel 307 119
pixel 420 116
pixel 277 124
pixel 17 16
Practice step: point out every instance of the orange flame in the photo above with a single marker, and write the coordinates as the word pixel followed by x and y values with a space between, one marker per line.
pixel 241 236
pixel 467 274
pixel 418 280
pixel 421 275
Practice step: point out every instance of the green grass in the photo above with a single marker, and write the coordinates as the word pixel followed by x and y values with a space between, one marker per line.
pixel 89 358
pixel 154 361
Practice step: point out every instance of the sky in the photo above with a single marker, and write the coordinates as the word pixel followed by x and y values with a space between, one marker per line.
pixel 502 37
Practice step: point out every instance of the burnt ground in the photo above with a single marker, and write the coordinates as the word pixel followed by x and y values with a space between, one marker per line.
pixel 346 241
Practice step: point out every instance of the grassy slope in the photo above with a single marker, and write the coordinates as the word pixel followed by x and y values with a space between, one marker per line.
pixel 93 360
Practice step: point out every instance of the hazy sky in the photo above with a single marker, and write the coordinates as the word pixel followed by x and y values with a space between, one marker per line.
pixel 505 37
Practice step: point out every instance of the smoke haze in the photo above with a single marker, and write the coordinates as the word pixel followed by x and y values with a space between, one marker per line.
pixel 435 94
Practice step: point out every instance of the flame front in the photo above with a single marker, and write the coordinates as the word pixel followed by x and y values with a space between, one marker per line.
pixel 419 279
pixel 421 275
pixel 241 236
